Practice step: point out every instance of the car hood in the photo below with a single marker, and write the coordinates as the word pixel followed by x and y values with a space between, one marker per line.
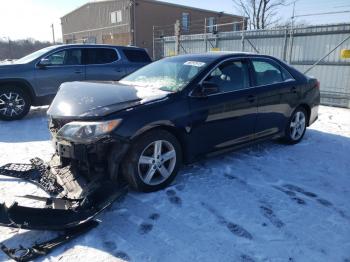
pixel 5 67
pixel 95 99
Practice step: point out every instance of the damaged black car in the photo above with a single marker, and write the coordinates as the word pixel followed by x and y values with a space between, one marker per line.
pixel 139 131
pixel 143 127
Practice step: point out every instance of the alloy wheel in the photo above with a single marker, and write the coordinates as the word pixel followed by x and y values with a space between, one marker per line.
pixel 11 104
pixel 157 162
pixel 297 125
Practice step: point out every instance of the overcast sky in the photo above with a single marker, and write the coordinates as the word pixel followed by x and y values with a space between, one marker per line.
pixel 33 18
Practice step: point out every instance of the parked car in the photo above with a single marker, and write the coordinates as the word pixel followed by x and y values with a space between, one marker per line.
pixel 177 110
pixel 35 78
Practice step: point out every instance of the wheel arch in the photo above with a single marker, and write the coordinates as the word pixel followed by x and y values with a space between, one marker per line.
pixel 172 129
pixel 308 111
pixel 21 83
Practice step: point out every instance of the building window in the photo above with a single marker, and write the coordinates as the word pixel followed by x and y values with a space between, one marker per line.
pixel 116 17
pixel 211 24
pixel 185 22
pixel 237 26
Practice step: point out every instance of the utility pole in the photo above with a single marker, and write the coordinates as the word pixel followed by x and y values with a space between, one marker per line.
pixel 53 34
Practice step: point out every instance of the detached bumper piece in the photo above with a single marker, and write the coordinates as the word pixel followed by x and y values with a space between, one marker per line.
pixel 23 254
pixel 37 173
pixel 71 206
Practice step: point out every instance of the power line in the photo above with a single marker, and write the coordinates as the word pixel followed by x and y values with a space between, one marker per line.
pixel 325 13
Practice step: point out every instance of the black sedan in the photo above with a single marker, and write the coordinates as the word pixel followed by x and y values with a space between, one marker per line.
pixel 177 110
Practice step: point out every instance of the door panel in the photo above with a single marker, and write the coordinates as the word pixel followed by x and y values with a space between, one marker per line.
pixel 103 64
pixel 275 103
pixel 225 119
pixel 65 66
pixel 277 94
pixel 112 72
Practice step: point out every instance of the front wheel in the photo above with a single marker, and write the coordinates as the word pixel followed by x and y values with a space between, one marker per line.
pixel 296 126
pixel 152 161
pixel 14 103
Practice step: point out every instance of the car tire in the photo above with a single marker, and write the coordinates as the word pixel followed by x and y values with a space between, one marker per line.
pixel 152 161
pixel 296 126
pixel 14 103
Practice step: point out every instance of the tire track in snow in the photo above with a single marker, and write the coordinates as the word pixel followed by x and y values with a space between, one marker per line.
pixel 263 197
pixel 292 190
pixel 175 231
pixel 235 229
pixel 129 224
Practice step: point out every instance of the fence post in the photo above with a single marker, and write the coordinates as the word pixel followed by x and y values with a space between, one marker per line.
pixel 153 44
pixel 177 37
pixel 291 35
pixel 205 35
pixel 242 41
pixel 284 55
pixel 291 40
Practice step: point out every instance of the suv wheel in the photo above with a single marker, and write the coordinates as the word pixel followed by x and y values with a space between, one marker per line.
pixel 296 126
pixel 14 103
pixel 153 161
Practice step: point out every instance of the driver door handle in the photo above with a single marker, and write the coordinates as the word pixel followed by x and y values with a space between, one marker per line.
pixel 78 71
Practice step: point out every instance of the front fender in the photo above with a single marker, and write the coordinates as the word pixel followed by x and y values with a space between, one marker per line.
pixel 166 124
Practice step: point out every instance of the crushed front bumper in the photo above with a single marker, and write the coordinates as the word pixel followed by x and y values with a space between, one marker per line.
pixel 59 212
pixel 72 216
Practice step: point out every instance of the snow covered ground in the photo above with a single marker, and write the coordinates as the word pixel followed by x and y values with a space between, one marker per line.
pixel 268 202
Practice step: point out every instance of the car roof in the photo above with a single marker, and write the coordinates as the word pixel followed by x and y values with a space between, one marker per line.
pixel 215 55
pixel 220 54
pixel 99 45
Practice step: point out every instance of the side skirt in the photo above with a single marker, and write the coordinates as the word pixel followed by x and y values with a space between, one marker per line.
pixel 239 146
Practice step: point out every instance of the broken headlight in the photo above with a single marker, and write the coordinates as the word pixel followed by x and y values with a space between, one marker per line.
pixel 86 132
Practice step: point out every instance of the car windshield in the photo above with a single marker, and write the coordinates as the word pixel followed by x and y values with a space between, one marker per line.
pixel 33 56
pixel 169 74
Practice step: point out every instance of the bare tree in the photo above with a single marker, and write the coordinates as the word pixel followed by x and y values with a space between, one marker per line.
pixel 13 49
pixel 260 13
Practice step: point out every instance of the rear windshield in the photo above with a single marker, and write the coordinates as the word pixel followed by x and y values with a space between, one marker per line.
pixel 137 56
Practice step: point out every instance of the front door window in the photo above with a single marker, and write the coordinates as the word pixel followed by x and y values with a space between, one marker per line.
pixel 230 76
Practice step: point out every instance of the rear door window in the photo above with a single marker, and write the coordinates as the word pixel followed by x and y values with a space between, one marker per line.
pixel 266 73
pixel 137 56
pixel 98 56
pixel 286 75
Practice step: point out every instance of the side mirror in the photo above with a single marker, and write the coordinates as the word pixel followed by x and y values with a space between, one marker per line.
pixel 209 88
pixel 44 62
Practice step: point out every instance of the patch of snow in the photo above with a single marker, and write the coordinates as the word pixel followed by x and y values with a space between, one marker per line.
pixel 267 202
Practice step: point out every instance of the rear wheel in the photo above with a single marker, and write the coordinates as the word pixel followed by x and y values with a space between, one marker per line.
pixel 152 161
pixel 296 126
pixel 14 103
